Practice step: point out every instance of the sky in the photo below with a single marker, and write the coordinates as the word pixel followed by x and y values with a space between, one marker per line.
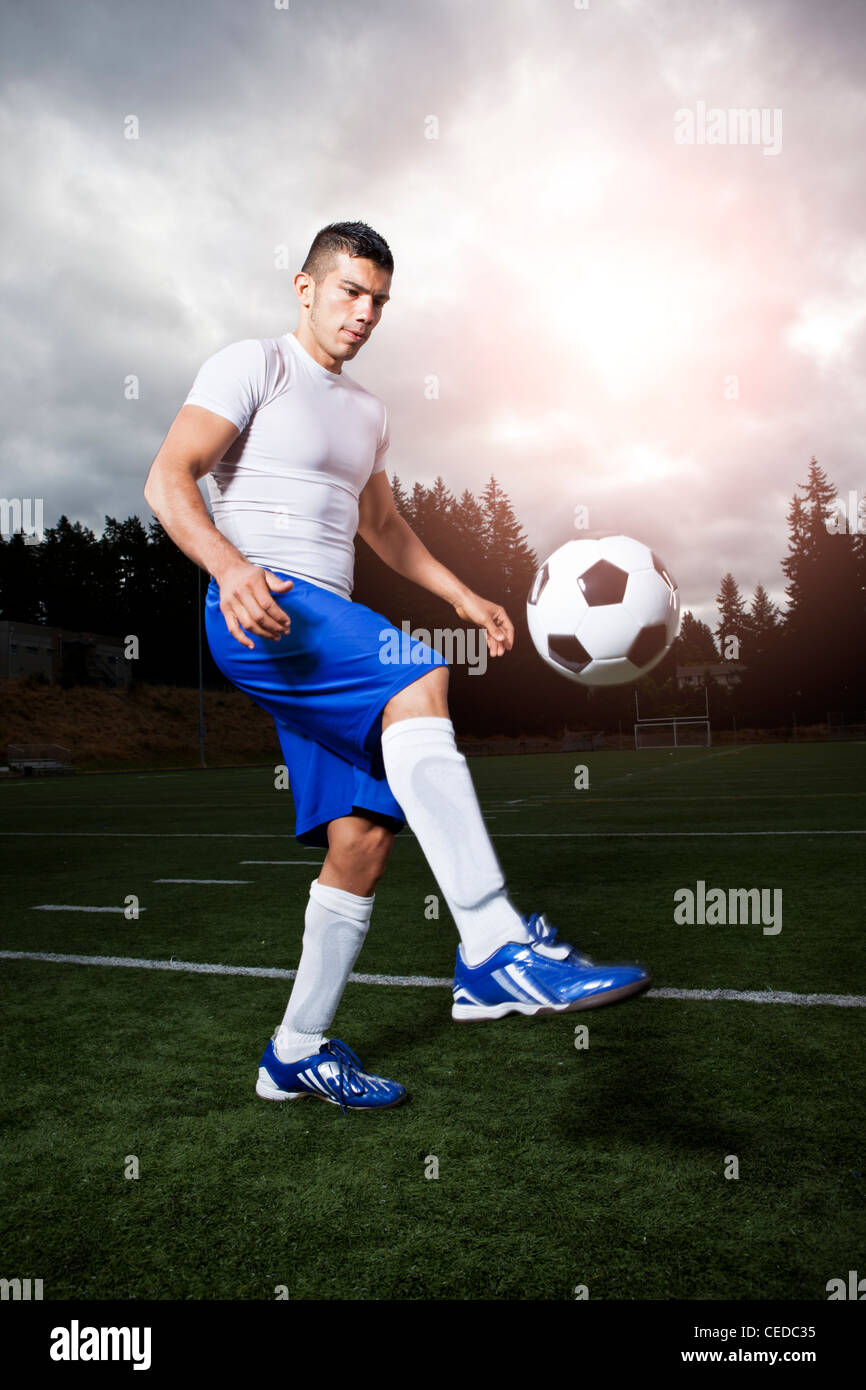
pixel 626 299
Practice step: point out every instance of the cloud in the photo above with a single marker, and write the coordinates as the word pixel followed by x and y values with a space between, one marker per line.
pixel 585 289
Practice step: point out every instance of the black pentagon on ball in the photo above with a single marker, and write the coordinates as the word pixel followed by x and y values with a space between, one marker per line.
pixel 603 583
pixel 649 643
pixel 538 584
pixel 565 650
pixel 660 569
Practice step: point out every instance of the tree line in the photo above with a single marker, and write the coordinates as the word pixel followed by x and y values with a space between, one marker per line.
pixel 807 660
pixel 132 579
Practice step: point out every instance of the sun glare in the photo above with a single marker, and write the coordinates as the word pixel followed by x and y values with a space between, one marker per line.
pixel 630 324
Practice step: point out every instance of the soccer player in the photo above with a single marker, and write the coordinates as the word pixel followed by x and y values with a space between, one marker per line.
pixel 294 450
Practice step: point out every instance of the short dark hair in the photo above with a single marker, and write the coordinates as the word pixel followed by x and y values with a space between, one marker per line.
pixel 355 238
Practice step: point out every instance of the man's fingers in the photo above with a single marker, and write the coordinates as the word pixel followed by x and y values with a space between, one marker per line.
pixel 263 624
pixel 235 629
pixel 278 585
pixel 248 613
pixel 236 611
pixel 248 604
pixel 265 582
pixel 500 634
pixel 272 611
pixel 506 627
pixel 259 613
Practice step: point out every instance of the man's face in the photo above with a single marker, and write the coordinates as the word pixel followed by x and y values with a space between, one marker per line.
pixel 345 308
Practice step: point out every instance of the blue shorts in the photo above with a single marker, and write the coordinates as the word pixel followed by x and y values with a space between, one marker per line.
pixel 325 682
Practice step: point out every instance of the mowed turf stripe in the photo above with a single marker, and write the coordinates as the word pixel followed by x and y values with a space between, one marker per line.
pixel 841 1001
pixel 407 834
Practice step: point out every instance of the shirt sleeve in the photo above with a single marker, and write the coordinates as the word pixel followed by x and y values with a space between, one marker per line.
pixel 383 444
pixel 232 382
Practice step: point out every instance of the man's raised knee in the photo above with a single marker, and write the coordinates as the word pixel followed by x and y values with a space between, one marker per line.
pixel 428 696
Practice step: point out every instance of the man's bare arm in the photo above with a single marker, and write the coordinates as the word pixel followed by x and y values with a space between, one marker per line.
pixel 196 442
pixel 393 540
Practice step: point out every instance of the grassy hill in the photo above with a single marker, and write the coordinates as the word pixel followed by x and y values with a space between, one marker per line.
pixel 145 726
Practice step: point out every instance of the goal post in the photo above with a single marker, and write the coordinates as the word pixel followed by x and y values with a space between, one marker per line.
pixel 673 733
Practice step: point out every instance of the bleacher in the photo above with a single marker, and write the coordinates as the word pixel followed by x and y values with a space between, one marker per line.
pixel 38 759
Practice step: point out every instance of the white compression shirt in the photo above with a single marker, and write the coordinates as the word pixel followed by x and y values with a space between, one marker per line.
pixel 286 492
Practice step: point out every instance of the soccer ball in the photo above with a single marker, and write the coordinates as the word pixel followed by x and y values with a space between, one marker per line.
pixel 603 612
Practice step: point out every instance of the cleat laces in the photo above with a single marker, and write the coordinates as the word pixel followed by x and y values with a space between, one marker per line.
pixel 544 935
pixel 350 1072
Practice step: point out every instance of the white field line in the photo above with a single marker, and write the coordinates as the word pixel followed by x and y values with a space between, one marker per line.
pixel 658 834
pixel 593 798
pixel 677 766
pixel 203 880
pixel 842 1001
pixel 316 862
pixel 70 907
pixel 148 834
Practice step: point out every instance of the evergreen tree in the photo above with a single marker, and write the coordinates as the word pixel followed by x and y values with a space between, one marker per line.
pixel 505 542
pixel 811 555
pixel 68 566
pixel 439 530
pixel 763 622
pixel 442 499
pixel 125 575
pixel 695 646
pixel 398 492
pixel 858 549
pixel 733 618
pixel 470 539
pixel 825 622
pixel 469 523
pixel 417 511
pixel 20 590
pixel 794 565
pixel 169 634
pixel 820 495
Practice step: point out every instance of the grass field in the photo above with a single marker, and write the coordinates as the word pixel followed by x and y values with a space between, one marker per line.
pixel 557 1166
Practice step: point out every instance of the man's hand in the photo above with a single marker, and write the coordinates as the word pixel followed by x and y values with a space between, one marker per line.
pixel 246 602
pixel 492 617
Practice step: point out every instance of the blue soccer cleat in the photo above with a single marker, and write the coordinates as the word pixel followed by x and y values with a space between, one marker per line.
pixel 539 977
pixel 334 1073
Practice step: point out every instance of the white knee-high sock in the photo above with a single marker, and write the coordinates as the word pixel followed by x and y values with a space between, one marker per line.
pixel 335 926
pixel 430 779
